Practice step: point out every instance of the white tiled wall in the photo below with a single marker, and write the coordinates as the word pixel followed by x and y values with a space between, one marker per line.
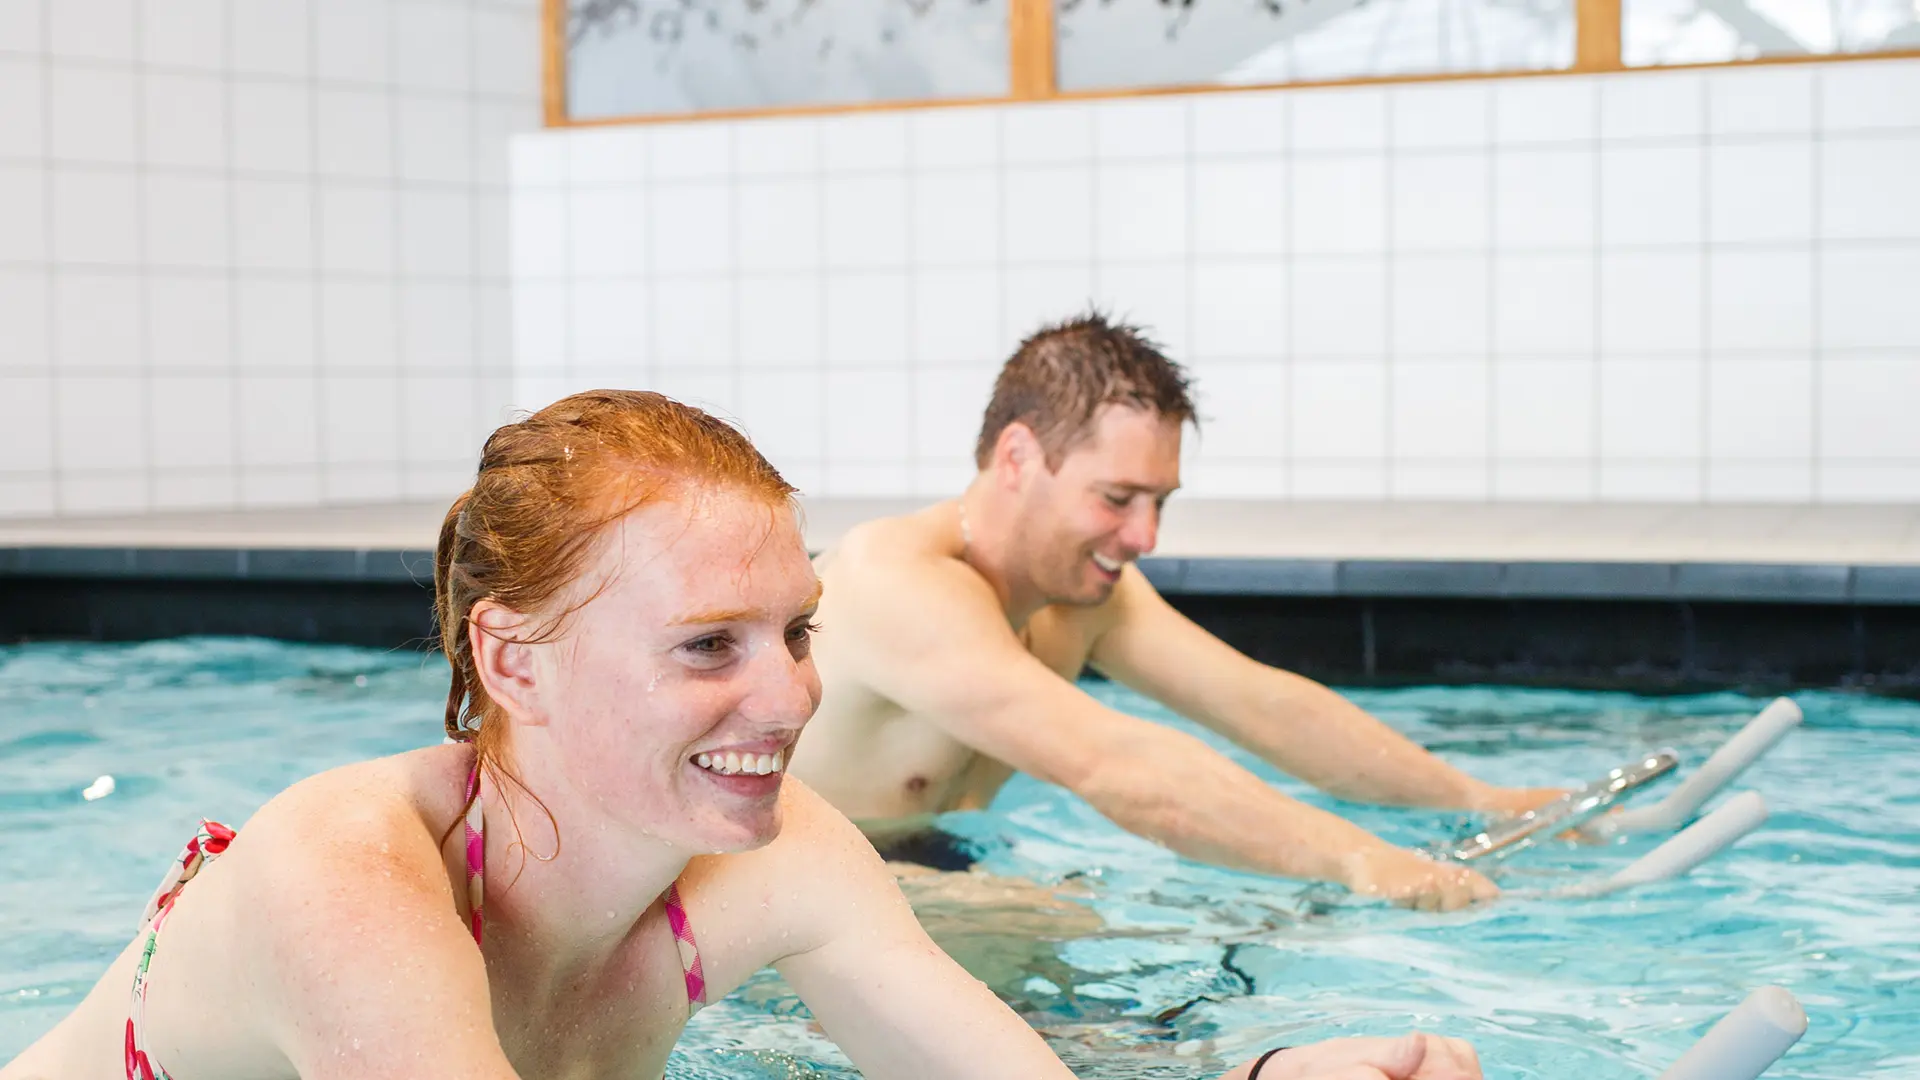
pixel 253 251
pixel 1699 285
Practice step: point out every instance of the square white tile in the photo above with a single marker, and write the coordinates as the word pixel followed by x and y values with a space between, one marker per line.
pixel 270 39
pixel 1339 410
pixel 1758 192
pixel 1651 195
pixel 692 151
pixel 100 422
pixel 956 217
pixel 1652 302
pixel 1777 99
pixel 26 310
pixel 93 115
pixel 1544 481
pixel 1867 187
pixel 122 492
pixel 1341 481
pixel 283 486
pixel 436 139
pixel 1543 409
pixel 1442 202
pixel 541 326
pixel 610 324
pixel 1240 310
pixel 495 329
pixel 956 316
pixel 1866 296
pixel 353 40
pixel 1441 305
pixel 186 218
pixel 1651 408
pixel 1339 306
pixel 849 480
pixel 1760 299
pixel 439 424
pixel 866 221
pixel 692 229
pixel 608 232
pixel 360 420
pixel 273 224
pixel 866 320
pixel 23 214
pixel 780 320
pixel 867 417
pixel 1240 122
pixel 1047 214
pixel 1652 481
pixel 1240 207
pixel 274 325
pixel 1870 94
pixel 1140 211
pixel 1440 410
pixel 272 126
pixel 1866 482
pixel 433 46
pixel 437 320
pixel 1653 105
pixel 1149 295
pixel 26 438
pixel 1339 205
pixel 948 404
pixel 96 321
pixel 1342 118
pixel 1441 481
pixel 1036 296
pixel 1051 132
pixel 189 323
pixel 1244 410
pixel 863 142
pixel 96 216
pixel 1759 481
pixel 1866 407
pixel 437 234
pixel 23 26
pixel 1428 116
pixel 780 223
pixel 354 133
pixel 538 234
pixel 1210 478
pixel 496 124
pixel 190 418
pixel 694 322
pixel 776 146
pixel 1544 199
pixel 184 33
pixel 504 62
pixel 183 121
pixel 1140 128
pixel 1760 408
pixel 359 325
pixel 1558 110
pixel 541 159
pixel 1544 304
pixel 608 156
pixel 953 138
pixel 357 229
pixel 783 414
pixel 196 489
pixel 23 122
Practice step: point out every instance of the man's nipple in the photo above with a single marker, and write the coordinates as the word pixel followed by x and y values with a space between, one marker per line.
pixel 916 784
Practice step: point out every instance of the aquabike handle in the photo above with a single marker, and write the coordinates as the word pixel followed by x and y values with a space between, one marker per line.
pixel 1567 812
pixel 1747 1041
pixel 1760 735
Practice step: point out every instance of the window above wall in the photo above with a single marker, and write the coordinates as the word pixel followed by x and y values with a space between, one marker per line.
pixel 635 60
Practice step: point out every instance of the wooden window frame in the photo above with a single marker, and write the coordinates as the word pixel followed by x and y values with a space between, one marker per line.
pixel 1034 73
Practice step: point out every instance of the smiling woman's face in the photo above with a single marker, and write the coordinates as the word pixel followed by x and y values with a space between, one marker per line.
pixel 675 695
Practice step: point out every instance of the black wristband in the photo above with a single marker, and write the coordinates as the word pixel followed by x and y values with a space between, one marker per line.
pixel 1254 1073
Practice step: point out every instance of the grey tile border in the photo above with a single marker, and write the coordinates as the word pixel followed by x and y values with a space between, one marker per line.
pixel 1261 577
pixel 1793 583
pixel 301 564
pixel 1587 580
pixel 76 561
pixel 1405 577
pixel 208 563
pixel 1886 585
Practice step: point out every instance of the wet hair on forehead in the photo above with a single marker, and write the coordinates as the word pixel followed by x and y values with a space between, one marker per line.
pixel 1060 378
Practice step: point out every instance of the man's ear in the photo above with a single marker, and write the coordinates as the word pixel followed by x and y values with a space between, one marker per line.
pixel 503 660
pixel 1016 453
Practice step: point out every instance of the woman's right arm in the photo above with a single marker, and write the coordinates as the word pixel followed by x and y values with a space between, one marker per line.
pixel 356 952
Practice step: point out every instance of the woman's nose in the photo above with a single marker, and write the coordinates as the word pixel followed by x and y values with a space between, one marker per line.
pixel 784 691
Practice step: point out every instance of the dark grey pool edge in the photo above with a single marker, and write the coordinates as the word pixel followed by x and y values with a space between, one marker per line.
pixel 1807 583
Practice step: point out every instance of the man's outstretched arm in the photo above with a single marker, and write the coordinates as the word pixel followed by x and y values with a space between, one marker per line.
pixel 932 638
pixel 1297 724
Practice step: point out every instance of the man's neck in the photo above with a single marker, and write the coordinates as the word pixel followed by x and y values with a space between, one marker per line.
pixel 989 543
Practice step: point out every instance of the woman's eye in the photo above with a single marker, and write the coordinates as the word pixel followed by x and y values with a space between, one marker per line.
pixel 800 637
pixel 711 645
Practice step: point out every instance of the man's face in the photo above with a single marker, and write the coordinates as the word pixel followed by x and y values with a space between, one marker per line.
pixel 1100 510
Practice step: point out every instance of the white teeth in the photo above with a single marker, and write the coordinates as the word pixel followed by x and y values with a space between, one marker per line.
pixel 1104 563
pixel 766 764
pixel 705 761
pixel 780 761
pixel 733 762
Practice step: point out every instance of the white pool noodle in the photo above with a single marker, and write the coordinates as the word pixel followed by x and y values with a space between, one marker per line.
pixel 1727 763
pixel 1692 846
pixel 1746 1042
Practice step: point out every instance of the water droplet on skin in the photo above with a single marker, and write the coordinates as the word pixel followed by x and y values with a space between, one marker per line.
pixel 360 681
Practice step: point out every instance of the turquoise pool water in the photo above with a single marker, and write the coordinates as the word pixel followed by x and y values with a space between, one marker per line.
pixel 1188 968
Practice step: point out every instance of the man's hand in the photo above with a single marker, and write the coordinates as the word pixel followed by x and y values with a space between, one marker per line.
pixel 1415 881
pixel 1415 1056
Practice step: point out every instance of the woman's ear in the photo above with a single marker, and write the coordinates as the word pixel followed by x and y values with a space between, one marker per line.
pixel 503 660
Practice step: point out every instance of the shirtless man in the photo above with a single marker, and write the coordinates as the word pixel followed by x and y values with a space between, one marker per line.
pixel 953 636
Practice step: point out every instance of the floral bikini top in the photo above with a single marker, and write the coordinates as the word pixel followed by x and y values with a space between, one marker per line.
pixel 212 840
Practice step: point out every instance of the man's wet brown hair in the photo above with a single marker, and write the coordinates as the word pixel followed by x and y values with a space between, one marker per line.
pixel 1057 380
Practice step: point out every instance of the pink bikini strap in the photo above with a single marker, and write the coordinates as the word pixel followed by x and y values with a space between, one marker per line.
pixel 689 949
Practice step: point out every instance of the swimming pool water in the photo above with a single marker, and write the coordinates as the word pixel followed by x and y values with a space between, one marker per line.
pixel 1189 969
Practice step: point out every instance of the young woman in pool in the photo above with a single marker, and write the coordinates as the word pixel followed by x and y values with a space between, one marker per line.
pixel 626 600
